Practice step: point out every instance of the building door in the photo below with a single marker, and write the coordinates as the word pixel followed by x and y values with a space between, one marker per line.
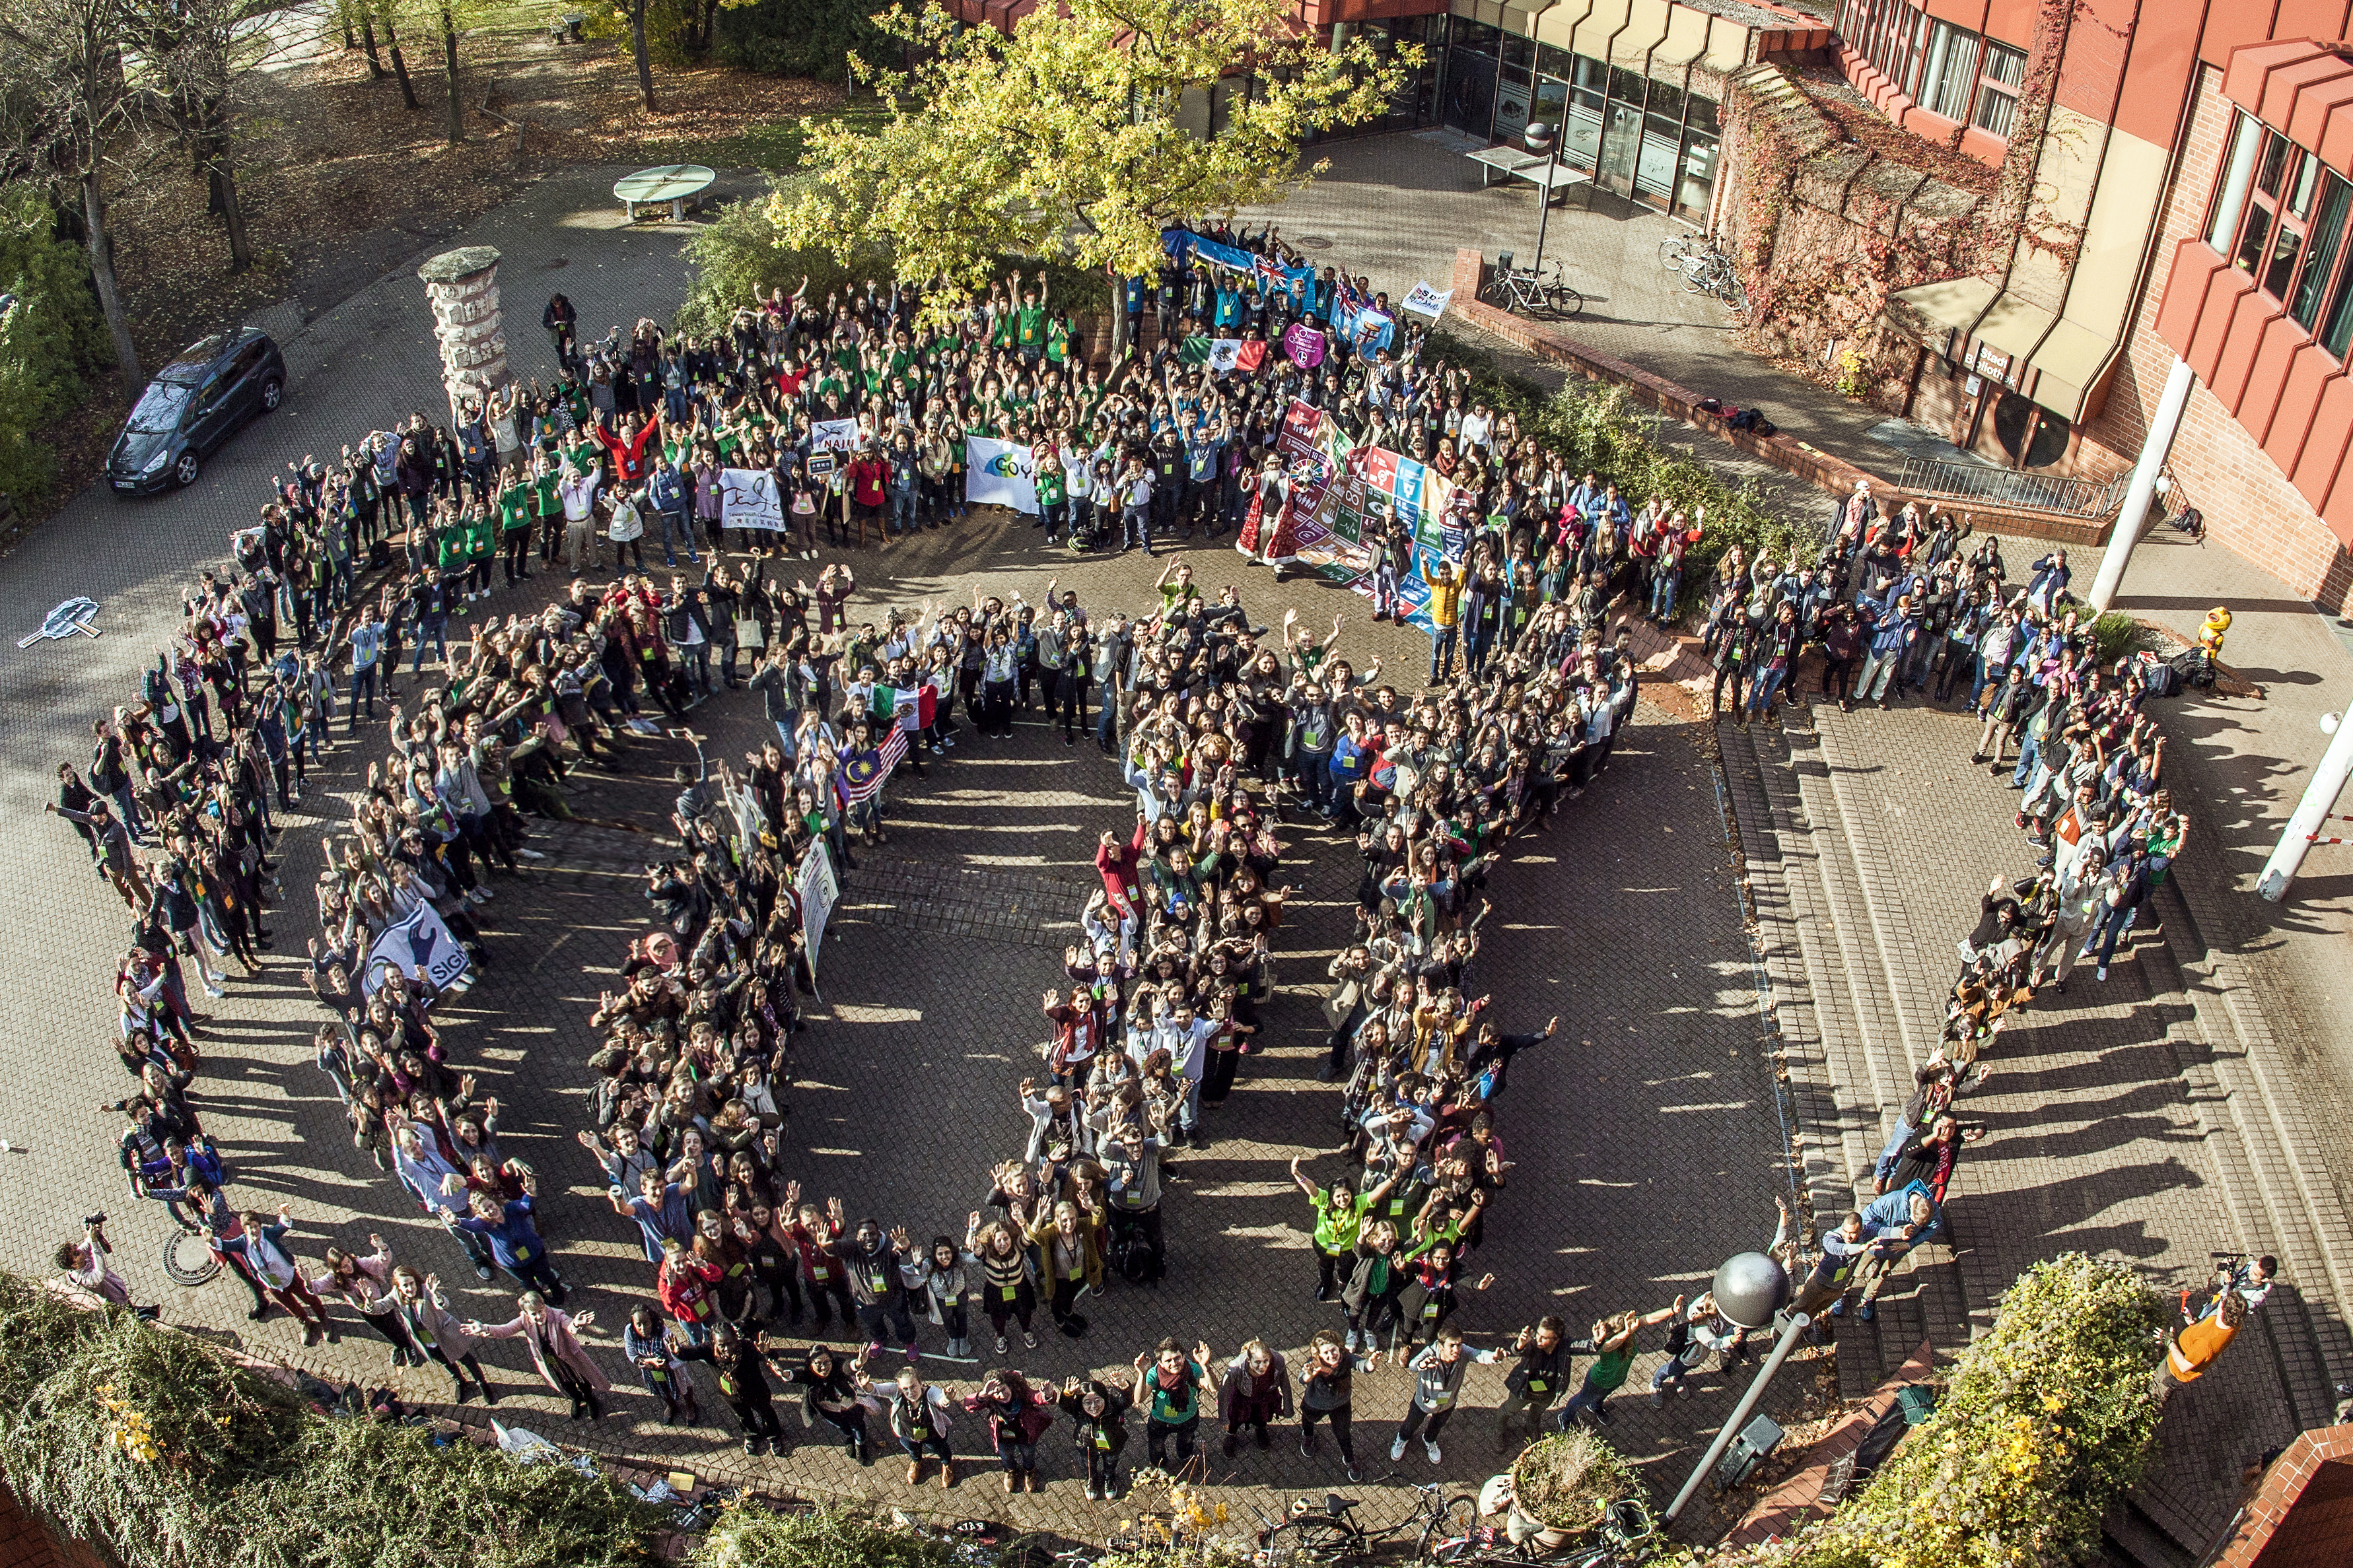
pixel 1471 65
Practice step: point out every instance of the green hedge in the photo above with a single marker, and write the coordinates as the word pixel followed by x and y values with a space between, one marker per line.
pixel 801 37
pixel 2046 1422
pixel 1597 427
pixel 740 251
pixel 156 1446
pixel 47 342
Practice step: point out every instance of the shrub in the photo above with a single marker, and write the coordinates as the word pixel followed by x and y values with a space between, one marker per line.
pixel 166 1453
pixel 50 336
pixel 741 250
pixel 831 1537
pixel 800 38
pixel 2118 635
pixel 1567 1481
pixel 1595 426
pixel 2046 1422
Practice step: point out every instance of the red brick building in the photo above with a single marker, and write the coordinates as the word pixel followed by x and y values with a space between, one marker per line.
pixel 2191 182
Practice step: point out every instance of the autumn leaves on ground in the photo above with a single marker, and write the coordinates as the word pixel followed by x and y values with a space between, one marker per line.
pixel 341 181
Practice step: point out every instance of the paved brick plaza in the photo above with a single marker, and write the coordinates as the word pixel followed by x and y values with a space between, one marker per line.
pixel 1648 1138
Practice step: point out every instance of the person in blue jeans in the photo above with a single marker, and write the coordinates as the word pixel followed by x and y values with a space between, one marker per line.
pixel 430 598
pixel 665 493
pixel 906 485
pixel 1613 1342
pixel 514 1245
pixel 1350 765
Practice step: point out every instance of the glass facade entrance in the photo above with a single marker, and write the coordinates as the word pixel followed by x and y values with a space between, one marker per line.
pixel 1651 142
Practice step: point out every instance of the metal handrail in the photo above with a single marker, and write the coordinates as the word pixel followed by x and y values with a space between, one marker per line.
pixel 1990 486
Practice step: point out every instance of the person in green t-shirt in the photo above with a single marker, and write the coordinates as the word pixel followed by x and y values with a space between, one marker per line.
pixel 515 508
pixel 1614 1352
pixel 1339 1216
pixel 547 501
pixel 1029 320
pixel 1059 334
pixel 1173 1382
pixel 480 544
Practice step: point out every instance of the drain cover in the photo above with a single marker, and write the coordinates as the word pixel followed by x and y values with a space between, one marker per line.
pixel 1313 242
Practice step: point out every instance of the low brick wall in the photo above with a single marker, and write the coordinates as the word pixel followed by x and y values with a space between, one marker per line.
pixel 1832 476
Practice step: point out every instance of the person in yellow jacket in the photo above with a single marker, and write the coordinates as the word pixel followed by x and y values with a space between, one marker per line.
pixel 1445 615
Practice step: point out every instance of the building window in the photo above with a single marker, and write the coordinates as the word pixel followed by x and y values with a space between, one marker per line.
pixel 2281 217
pixel 1948 70
pixel 2004 73
pixel 1887 33
pixel 1950 79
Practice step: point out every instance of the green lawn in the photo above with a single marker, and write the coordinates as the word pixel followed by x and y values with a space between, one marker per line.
pixel 778 147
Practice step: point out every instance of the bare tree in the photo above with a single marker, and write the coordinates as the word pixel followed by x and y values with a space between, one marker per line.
pixel 382 10
pixel 64 102
pixel 189 55
pixel 449 67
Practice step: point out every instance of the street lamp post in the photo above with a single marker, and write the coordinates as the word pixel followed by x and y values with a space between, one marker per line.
pixel 1542 136
pixel 1749 1289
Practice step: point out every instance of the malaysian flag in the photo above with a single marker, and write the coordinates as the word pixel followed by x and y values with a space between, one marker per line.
pixel 863 774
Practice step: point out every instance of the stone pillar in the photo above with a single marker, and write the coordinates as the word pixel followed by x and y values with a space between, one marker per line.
pixel 463 287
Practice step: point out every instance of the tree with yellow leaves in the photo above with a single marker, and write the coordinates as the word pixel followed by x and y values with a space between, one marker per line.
pixel 1065 137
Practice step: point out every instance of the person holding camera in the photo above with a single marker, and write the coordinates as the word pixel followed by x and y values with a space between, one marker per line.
pixel 85 1264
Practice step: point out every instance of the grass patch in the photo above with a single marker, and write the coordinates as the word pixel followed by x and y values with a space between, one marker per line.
pixel 777 146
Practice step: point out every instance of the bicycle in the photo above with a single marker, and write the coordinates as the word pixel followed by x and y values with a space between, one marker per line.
pixel 1708 270
pixel 1627 1534
pixel 1312 1536
pixel 1680 249
pixel 1526 292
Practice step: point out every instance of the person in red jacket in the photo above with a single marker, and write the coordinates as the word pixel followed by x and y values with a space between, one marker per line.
pixel 868 473
pixel 684 1286
pixel 810 1235
pixel 627 449
pixel 1117 862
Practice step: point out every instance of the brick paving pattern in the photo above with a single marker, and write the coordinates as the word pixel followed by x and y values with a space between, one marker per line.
pixel 2150 1119
pixel 1643 1157
pixel 2129 1119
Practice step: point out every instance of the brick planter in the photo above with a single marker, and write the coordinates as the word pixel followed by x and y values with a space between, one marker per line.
pixel 1832 476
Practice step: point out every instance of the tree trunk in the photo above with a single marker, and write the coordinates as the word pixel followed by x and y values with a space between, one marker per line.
pixel 449 65
pixel 638 46
pixel 1119 344
pixel 232 206
pixel 399 65
pixel 101 271
pixel 367 42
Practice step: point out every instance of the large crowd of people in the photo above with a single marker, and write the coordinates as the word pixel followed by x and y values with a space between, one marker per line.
pixel 1222 726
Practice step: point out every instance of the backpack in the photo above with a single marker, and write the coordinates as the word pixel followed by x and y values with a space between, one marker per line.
pixel 2158 679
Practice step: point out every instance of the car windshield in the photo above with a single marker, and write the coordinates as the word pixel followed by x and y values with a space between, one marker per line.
pixel 160 406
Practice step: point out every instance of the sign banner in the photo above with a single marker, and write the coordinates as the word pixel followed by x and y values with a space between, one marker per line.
pixel 999 473
pixel 422 939
pixel 1222 356
pixel 1371 332
pixel 1302 345
pixel 1184 246
pixel 818 889
pixel 1425 301
pixel 748 498
pixel 836 434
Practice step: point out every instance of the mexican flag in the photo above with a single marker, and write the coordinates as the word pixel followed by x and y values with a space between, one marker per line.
pixel 1223 354
pixel 912 706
